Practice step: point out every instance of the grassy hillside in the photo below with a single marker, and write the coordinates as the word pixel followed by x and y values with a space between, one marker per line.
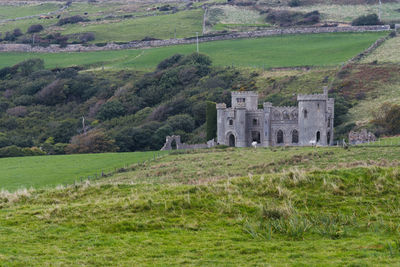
pixel 295 206
pixel 347 13
pixel 276 51
pixel 44 171
pixel 387 53
pixel 16 11
pixel 186 23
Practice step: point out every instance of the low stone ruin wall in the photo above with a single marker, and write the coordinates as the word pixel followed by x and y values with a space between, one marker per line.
pixel 179 145
pixel 169 42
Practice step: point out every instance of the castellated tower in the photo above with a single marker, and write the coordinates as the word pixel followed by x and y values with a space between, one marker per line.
pixel 245 125
pixel 315 119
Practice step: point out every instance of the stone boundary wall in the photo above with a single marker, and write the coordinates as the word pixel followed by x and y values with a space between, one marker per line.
pixel 170 42
pixel 370 49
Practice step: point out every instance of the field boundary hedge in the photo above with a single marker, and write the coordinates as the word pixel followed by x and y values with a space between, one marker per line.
pixel 191 40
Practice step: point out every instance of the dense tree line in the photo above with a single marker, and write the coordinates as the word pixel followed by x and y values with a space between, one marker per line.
pixel 72 111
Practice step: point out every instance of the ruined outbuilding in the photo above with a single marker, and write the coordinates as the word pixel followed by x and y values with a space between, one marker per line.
pixel 361 137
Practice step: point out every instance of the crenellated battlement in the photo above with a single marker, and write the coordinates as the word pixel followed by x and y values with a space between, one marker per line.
pixel 285 108
pixel 221 106
pixel 312 97
pixel 245 93
pixel 267 105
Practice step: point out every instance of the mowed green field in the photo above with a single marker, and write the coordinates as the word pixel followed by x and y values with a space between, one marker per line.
pixel 44 171
pixel 276 51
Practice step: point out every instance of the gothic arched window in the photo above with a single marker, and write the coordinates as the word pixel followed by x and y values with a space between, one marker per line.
pixel 305 113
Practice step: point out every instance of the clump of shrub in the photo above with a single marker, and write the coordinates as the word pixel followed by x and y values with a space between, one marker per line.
pixel 371 19
pixel 12 36
pixel 294 3
pixel 15 151
pixel 286 18
pixel 71 20
pixel 87 37
pixel 95 141
pixel 387 119
pixel 35 28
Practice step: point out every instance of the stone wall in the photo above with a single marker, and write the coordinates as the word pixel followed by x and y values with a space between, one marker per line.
pixel 179 145
pixel 169 42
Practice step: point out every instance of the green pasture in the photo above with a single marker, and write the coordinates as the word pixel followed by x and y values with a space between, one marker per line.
pixel 17 11
pixel 44 171
pixel 24 24
pixel 185 23
pixel 277 51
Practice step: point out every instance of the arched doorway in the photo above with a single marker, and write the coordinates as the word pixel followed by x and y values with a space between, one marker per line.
pixel 173 144
pixel 279 137
pixel 232 140
pixel 256 137
pixel 318 137
pixel 295 137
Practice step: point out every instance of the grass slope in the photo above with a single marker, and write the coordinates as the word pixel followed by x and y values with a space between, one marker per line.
pixel 347 13
pixel 186 23
pixel 46 171
pixel 12 11
pixel 286 210
pixel 276 51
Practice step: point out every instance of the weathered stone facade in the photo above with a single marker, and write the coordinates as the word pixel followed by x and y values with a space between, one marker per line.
pixel 244 123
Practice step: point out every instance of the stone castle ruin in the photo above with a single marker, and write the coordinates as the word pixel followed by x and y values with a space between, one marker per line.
pixel 361 137
pixel 244 124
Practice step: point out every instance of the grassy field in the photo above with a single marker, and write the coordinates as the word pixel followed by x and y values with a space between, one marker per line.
pixel 277 51
pixel 279 207
pixel 107 21
pixel 38 172
pixel 186 23
pixel 388 52
pixel 15 11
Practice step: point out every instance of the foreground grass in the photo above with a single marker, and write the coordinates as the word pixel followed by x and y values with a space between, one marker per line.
pixel 44 171
pixel 276 51
pixel 289 211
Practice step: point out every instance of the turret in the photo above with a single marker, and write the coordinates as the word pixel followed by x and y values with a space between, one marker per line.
pixel 240 125
pixel 267 106
pixel 249 98
pixel 312 118
pixel 221 121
